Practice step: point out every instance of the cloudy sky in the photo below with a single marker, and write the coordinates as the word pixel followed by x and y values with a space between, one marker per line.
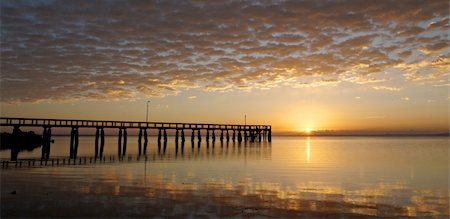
pixel 324 65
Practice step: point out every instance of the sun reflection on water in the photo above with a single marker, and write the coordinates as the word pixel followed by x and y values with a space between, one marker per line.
pixel 308 149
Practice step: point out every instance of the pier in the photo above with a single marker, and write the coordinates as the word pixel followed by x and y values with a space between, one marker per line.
pixel 224 132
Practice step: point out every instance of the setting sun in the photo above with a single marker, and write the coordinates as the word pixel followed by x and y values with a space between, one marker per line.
pixel 308 130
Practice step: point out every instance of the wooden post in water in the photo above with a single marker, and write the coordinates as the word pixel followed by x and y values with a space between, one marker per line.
pixel 213 135
pixel 199 135
pixel 124 149
pixel 119 143
pixel 259 135
pixel 239 136
pixel 207 135
pixel 97 135
pixel 145 141
pixel 140 142
pixel 192 136
pixel 44 144
pixel 72 140
pixel 269 135
pixel 228 136
pixel 165 147
pixel 176 136
pixel 182 148
pixel 234 135
pixel 102 141
pixel 159 135
pixel 48 140
pixel 165 135
pixel 76 140
pixel 176 144
pixel 221 135
pixel 182 136
pixel 245 134
pixel 159 147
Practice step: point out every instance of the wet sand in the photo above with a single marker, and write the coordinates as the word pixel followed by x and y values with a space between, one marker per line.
pixel 27 194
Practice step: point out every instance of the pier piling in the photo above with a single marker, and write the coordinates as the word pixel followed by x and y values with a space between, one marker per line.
pixel 124 149
pixel 165 135
pixel 97 136
pixel 145 141
pixel 119 143
pixel 102 141
pixel 140 142
pixel 76 141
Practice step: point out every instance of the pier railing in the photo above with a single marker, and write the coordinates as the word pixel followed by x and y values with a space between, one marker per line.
pixel 38 122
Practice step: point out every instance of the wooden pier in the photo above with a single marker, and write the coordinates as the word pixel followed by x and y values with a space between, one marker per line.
pixel 225 132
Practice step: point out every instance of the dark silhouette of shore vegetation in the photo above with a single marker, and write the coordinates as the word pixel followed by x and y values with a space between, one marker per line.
pixel 25 141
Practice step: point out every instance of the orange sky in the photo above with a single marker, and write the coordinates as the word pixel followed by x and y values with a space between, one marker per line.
pixel 364 65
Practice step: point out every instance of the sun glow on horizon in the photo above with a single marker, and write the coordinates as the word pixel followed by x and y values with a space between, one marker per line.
pixel 308 131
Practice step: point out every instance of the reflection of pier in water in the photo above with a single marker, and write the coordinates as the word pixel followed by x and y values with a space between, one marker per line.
pixel 230 151
pixel 225 133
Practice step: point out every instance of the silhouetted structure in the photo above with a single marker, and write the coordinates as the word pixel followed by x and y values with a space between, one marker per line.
pixel 251 133
pixel 20 141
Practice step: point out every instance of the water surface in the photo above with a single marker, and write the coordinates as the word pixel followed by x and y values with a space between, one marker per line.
pixel 290 177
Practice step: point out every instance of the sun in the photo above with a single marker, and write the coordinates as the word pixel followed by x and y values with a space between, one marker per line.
pixel 308 130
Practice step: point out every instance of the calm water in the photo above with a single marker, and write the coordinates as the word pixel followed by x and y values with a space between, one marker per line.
pixel 290 177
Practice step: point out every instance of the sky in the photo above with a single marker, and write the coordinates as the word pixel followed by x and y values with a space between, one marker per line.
pixel 340 66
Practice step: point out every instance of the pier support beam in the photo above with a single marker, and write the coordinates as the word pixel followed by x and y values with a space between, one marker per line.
pixel 207 135
pixel 119 143
pixel 239 136
pixel 159 135
pixel 176 137
pixel 102 141
pixel 124 150
pixel 192 136
pixel 213 136
pixel 221 135
pixel 183 139
pixel 73 143
pixel 234 135
pixel 165 135
pixel 97 137
pixel 44 145
pixel 228 136
pixel 145 141
pixel 48 140
pixel 252 135
pixel 140 142
pixel 269 135
pixel 199 135
pixel 72 140
pixel 259 135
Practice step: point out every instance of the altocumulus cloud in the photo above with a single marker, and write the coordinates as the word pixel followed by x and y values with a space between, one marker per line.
pixel 65 50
